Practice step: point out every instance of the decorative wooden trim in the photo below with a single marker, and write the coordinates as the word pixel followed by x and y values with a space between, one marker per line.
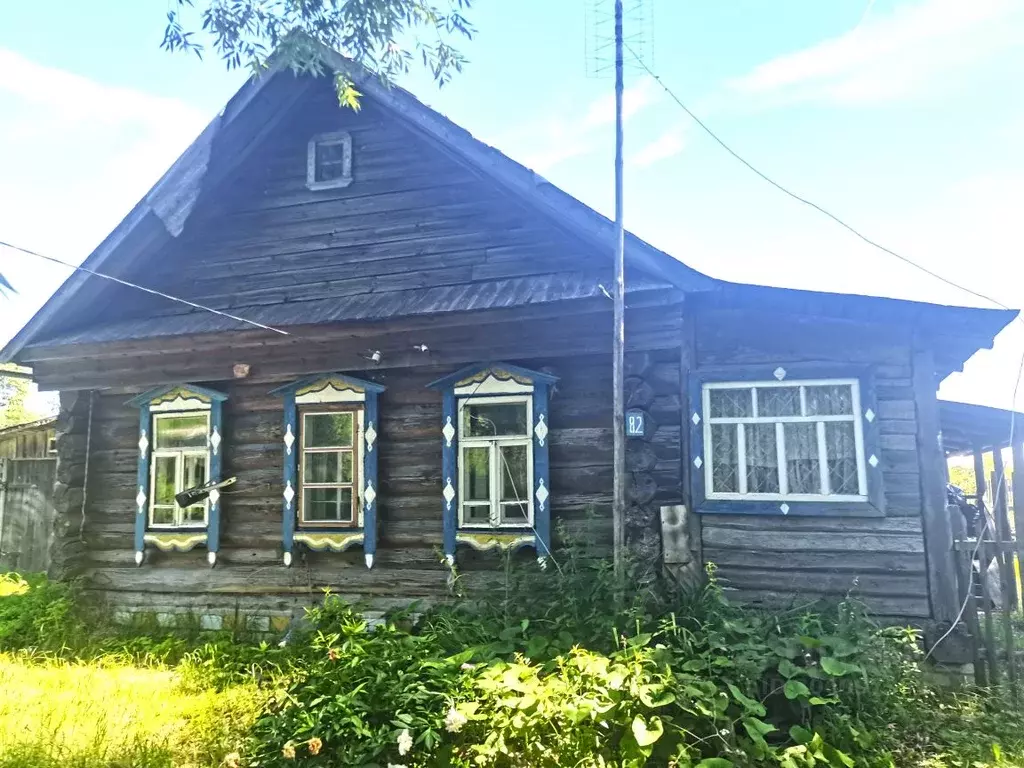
pixel 177 542
pixel 504 542
pixel 873 506
pixel 335 541
pixel 173 398
pixel 496 379
pixel 328 388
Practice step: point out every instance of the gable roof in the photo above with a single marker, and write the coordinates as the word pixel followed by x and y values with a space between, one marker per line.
pixel 257 107
pixel 225 142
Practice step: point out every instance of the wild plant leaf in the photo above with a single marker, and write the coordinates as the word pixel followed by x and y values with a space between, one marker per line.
pixel 794 689
pixel 837 668
pixel 800 735
pixel 788 669
pixel 750 705
pixel 647 733
pixel 714 762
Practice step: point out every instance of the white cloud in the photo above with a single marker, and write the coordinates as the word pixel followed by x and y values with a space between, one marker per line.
pixel 76 156
pixel 668 144
pixel 890 56
pixel 575 132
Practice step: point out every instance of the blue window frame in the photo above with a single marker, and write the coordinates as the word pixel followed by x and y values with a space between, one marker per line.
pixel 331 430
pixel 495 483
pixel 789 440
pixel 180 437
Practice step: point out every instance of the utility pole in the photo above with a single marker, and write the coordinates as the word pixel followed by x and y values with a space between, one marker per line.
pixel 619 329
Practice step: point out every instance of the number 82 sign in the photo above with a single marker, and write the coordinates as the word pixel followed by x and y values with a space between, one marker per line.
pixel 635 423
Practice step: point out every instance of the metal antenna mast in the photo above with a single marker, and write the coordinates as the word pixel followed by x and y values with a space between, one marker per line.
pixel 619 325
pixel 596 50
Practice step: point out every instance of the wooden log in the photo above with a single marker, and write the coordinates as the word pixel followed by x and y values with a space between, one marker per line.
pixel 937 535
pixel 639 394
pixel 818 541
pixel 641 488
pixel 640 456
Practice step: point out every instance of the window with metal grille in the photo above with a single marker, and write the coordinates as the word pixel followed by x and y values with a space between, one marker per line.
pixel 792 440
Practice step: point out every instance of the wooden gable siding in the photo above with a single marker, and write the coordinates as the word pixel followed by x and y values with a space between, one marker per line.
pixel 781 561
pixel 413 217
pixel 249 573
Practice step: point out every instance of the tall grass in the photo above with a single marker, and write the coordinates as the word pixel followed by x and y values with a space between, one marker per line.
pixel 108 713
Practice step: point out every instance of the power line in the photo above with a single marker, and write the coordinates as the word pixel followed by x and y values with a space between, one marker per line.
pixel 804 200
pixel 144 289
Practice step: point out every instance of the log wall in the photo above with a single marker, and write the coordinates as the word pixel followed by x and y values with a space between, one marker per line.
pixel 776 561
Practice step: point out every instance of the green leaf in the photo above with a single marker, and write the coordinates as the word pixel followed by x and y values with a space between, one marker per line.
pixel 794 689
pixel 837 668
pixel 749 704
pixel 788 669
pixel 714 762
pixel 800 735
pixel 645 734
pixel 752 724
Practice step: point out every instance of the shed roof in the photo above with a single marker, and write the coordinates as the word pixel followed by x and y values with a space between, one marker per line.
pixel 28 426
pixel 967 427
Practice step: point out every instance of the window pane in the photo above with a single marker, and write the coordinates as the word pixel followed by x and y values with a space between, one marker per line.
pixel 515 513
pixel 841 447
pixel 479 514
pixel 726 459
pixel 327 430
pixel 180 432
pixel 163 515
pixel 730 403
pixel 514 484
pixel 327 467
pixel 195 471
pixel 778 401
pixel 165 479
pixel 477 469
pixel 493 420
pixel 327 505
pixel 802 466
pixel 831 400
pixel 193 515
pixel 762 459
pixel 330 161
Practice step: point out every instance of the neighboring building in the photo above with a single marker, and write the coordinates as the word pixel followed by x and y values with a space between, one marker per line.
pixel 28 456
pixel 444 390
pixel 34 440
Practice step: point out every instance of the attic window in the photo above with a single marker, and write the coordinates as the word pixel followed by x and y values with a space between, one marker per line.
pixel 329 161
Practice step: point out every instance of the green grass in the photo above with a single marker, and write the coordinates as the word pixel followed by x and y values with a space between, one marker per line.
pixel 107 713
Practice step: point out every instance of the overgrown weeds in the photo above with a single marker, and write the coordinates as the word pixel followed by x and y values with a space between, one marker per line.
pixel 556 669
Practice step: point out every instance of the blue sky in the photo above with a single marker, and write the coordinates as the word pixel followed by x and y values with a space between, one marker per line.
pixel 905 117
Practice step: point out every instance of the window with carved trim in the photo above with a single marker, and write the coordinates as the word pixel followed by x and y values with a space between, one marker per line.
pixel 181 460
pixel 791 440
pixel 329 466
pixel 495 461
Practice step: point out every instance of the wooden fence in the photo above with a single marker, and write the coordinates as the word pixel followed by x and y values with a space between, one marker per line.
pixel 26 513
pixel 989 581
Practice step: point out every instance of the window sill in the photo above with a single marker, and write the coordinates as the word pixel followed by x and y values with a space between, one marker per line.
pixel 176 539
pixel 790 508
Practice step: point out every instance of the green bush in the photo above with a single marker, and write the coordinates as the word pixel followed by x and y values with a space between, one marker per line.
pixel 551 669
pixel 35 612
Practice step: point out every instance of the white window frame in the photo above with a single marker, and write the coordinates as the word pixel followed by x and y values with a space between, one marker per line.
pixel 496 471
pixel 356 449
pixel 820 420
pixel 179 471
pixel 344 138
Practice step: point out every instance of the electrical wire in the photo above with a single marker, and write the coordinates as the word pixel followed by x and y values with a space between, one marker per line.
pixel 804 200
pixel 1020 371
pixel 161 294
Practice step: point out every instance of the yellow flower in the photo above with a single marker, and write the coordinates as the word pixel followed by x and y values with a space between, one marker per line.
pixel 314 745
pixel 233 760
pixel 333 654
pixel 288 751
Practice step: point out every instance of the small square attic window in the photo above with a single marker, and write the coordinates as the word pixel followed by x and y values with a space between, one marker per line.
pixel 329 161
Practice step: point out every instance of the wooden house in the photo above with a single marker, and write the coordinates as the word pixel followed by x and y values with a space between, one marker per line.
pixel 444 389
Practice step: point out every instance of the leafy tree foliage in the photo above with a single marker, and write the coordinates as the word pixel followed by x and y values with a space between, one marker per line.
pixel 13 398
pixel 385 36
